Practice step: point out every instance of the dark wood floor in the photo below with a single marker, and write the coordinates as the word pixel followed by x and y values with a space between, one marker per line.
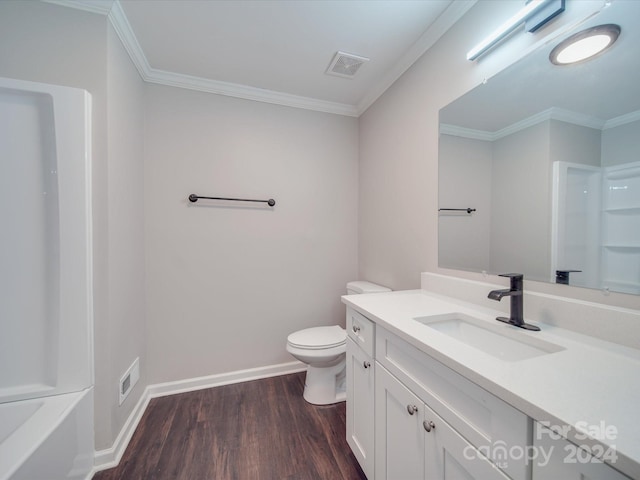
pixel 254 430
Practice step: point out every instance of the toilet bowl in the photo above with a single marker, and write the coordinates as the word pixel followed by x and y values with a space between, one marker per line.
pixel 323 349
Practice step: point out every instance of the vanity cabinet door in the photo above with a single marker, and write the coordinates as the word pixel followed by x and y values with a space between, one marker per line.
pixel 480 417
pixel 399 433
pixel 448 456
pixel 360 402
pixel 415 443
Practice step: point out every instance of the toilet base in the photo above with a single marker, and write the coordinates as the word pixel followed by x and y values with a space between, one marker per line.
pixel 325 386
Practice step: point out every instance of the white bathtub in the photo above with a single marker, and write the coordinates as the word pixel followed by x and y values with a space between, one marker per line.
pixel 47 438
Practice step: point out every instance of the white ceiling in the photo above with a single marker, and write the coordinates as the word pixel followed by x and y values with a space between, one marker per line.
pixel 284 46
pixel 278 50
pixel 599 93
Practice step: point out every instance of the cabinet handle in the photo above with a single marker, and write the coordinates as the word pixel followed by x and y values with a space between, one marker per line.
pixel 355 329
pixel 412 409
pixel 428 425
pixel 366 364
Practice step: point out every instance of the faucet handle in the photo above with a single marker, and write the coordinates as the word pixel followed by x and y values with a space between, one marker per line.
pixel 516 280
pixel 511 275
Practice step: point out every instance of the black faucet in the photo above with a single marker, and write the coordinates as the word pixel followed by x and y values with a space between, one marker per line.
pixel 517 305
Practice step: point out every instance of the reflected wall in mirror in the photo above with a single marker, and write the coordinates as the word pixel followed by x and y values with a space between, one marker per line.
pixel 549 156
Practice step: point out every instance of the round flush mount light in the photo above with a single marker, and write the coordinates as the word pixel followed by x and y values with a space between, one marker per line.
pixel 584 45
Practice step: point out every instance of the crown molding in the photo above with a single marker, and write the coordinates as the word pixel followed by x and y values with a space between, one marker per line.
pixel 552 113
pixel 245 92
pixel 444 22
pixel 622 120
pixel 576 118
pixel 456 131
pixel 123 29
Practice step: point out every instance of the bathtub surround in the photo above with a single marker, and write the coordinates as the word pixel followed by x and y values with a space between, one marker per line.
pixel 45 144
pixel 46 349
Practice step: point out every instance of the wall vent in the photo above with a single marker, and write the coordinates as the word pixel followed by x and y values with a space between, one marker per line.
pixel 345 64
pixel 128 380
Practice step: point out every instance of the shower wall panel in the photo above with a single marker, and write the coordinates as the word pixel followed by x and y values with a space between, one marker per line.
pixel 30 242
pixel 45 259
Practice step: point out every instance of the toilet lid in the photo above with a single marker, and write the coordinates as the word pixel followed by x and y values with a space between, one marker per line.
pixel 318 337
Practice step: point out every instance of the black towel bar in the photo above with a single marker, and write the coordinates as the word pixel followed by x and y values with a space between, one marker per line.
pixel 194 198
pixel 468 210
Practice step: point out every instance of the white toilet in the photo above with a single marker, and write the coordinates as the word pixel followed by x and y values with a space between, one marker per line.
pixel 323 350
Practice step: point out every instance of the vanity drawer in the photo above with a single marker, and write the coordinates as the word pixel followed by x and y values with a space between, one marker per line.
pixel 487 422
pixel 565 460
pixel 361 330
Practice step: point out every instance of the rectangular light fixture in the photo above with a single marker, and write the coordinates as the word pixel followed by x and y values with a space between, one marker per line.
pixel 530 9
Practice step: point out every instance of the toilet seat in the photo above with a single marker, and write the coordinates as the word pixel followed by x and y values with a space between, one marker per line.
pixel 318 338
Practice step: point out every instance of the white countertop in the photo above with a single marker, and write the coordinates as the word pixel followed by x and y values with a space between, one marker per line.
pixel 591 383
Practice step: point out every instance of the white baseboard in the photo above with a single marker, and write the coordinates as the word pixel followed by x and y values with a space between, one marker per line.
pixel 198 383
pixel 110 457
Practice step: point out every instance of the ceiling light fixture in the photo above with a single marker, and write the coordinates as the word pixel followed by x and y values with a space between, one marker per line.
pixel 584 45
pixel 529 10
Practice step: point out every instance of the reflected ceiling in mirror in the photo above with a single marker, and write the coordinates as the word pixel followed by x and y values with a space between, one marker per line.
pixel 548 157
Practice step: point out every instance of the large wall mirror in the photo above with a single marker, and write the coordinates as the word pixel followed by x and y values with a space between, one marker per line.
pixel 549 158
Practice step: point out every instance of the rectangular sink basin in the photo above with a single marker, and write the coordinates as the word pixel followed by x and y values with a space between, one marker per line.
pixel 501 341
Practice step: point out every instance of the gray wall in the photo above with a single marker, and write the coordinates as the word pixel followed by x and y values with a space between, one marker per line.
pixel 398 219
pixel 521 203
pixel 127 327
pixel 574 143
pixel 226 283
pixel 621 144
pixel 465 168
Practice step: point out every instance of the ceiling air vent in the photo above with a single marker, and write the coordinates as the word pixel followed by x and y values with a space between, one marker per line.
pixel 345 65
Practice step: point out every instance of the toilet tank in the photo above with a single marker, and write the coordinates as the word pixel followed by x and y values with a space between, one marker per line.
pixel 365 287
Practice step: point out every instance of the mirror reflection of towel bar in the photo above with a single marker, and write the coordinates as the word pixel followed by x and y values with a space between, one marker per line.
pixel 468 210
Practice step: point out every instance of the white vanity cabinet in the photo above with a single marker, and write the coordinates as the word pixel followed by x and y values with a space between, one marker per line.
pixel 360 390
pixel 395 392
pixel 467 411
pixel 410 417
pixel 455 401
pixel 414 443
pixel 559 459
